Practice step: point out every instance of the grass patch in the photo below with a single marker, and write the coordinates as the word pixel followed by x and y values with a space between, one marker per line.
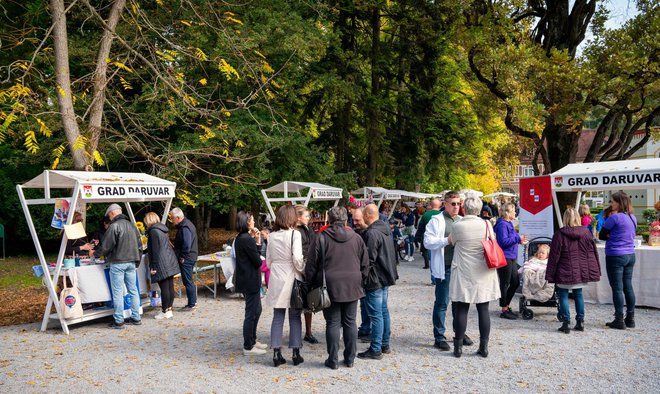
pixel 16 273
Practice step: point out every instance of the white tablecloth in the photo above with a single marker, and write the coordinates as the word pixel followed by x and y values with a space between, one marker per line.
pixel 646 279
pixel 94 286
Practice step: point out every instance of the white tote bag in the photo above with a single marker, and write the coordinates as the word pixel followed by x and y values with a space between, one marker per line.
pixel 70 304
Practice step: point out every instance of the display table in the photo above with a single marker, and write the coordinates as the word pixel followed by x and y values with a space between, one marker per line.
pixel 221 264
pixel 646 278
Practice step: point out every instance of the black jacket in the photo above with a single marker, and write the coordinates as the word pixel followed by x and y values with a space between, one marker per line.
pixel 346 263
pixel 121 242
pixel 185 243
pixel 382 258
pixel 161 255
pixel 247 276
pixel 306 236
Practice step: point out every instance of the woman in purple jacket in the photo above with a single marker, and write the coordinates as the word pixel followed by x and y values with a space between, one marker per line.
pixel 508 239
pixel 573 263
pixel 619 232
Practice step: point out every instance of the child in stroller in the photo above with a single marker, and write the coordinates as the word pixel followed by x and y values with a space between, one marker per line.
pixel 536 291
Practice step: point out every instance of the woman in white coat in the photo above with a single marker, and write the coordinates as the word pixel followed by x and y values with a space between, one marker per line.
pixel 471 280
pixel 284 258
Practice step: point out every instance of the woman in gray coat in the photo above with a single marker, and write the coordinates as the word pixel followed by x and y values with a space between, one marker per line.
pixel 163 263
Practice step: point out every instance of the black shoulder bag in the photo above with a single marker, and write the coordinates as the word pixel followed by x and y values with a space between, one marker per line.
pixel 299 288
pixel 318 298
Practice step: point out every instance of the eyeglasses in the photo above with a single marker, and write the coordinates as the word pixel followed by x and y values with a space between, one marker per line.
pixel 454 204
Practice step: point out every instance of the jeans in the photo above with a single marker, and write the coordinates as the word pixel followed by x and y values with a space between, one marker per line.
pixel 124 274
pixel 365 327
pixel 187 277
pixel 410 245
pixel 341 316
pixel 564 310
pixel 277 327
pixel 379 315
pixel 619 273
pixel 440 306
pixel 251 320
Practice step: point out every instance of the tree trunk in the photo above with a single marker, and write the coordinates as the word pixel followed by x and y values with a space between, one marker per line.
pixel 202 219
pixel 374 148
pixel 63 78
pixel 233 211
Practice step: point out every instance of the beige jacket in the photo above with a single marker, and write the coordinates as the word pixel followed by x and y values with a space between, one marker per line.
pixel 471 280
pixel 285 265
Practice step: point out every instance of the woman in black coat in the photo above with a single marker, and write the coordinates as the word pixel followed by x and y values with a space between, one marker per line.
pixel 247 280
pixel 163 263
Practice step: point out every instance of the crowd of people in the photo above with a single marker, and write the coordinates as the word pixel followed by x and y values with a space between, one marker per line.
pixel 357 264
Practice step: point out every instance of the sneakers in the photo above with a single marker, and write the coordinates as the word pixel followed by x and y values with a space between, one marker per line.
pixel 255 351
pixel 364 338
pixel 188 308
pixel 260 345
pixel 371 355
pixel 117 326
pixel 508 314
pixel 133 322
pixel 442 345
pixel 164 315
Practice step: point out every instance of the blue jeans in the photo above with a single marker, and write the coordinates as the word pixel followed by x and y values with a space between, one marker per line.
pixel 365 326
pixel 124 274
pixel 410 245
pixel 619 272
pixel 440 306
pixel 564 309
pixel 376 302
pixel 187 278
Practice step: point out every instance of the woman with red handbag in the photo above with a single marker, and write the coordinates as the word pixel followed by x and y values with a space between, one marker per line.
pixel 472 282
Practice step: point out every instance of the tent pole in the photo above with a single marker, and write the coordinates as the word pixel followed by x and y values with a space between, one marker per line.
pixel 557 211
pixel 577 200
pixel 268 205
pixel 168 205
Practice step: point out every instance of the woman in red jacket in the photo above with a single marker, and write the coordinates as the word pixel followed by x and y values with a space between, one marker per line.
pixel 573 263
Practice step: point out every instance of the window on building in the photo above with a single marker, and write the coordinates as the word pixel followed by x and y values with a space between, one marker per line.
pixel 529 171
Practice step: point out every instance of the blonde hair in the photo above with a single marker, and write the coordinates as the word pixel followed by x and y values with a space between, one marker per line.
pixel 507 209
pixel 150 219
pixel 545 247
pixel 584 210
pixel 571 218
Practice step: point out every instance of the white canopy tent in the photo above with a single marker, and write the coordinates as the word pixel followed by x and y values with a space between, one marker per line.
pixel 293 192
pixel 411 195
pixel 380 194
pixel 499 194
pixel 88 187
pixel 608 175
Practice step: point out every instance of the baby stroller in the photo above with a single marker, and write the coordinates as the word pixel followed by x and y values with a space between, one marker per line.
pixel 544 301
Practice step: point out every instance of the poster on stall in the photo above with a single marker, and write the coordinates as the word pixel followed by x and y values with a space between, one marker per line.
pixel 536 209
pixel 61 213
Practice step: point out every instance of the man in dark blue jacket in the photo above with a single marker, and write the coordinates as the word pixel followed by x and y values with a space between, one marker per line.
pixel 185 246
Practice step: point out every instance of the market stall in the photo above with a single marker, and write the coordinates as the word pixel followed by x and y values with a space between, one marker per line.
pixel 84 188
pixel 410 196
pixel 372 194
pixel 300 193
pixel 616 175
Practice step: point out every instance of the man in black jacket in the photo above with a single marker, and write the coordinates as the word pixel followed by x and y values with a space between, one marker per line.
pixel 382 275
pixel 122 248
pixel 185 246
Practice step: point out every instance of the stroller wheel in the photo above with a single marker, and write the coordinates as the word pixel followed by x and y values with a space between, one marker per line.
pixel 521 304
pixel 527 314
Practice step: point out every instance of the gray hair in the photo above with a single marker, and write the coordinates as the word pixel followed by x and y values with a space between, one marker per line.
pixel 337 215
pixel 472 205
pixel 177 213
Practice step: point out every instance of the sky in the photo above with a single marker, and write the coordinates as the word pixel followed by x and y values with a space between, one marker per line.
pixel 620 12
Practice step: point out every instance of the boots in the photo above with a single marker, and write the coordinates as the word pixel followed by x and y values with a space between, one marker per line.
pixel 564 327
pixel 630 320
pixel 458 347
pixel 579 325
pixel 618 322
pixel 297 358
pixel 483 347
pixel 277 357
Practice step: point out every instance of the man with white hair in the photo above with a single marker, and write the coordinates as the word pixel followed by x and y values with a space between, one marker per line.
pixel 185 246
pixel 122 248
pixel 435 240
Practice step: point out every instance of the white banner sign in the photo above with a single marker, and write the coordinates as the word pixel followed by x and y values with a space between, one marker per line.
pixel 126 191
pixel 627 181
pixel 327 194
pixel 392 196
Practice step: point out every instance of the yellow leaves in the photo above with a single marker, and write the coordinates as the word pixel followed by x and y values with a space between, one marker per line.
pixel 43 129
pixel 179 77
pixel 166 55
pixel 119 65
pixel 186 198
pixel 159 2
pixel 229 17
pixel 265 67
pixel 61 91
pixel 31 142
pixel 226 113
pixel 80 143
pixel 208 133
pixel 125 84
pixel 261 55
pixel 239 144
pixel 227 70
pixel 191 100
pixel 170 101
pixel 97 158
pixel 185 22
pixel 23 65
pixel 56 162
pixel 203 82
pixel 269 94
pixel 18 91
pixel 199 54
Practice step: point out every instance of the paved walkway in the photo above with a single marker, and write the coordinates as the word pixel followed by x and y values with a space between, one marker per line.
pixel 201 352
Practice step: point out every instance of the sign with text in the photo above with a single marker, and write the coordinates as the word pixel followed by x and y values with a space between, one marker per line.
pixel 90 192
pixel 392 196
pixel 327 194
pixel 607 180
pixel 535 208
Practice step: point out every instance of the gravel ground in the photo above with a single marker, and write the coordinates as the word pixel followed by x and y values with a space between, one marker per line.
pixel 201 352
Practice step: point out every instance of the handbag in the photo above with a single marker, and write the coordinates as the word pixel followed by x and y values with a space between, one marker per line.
pixel 493 252
pixel 298 291
pixel 70 304
pixel 318 298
